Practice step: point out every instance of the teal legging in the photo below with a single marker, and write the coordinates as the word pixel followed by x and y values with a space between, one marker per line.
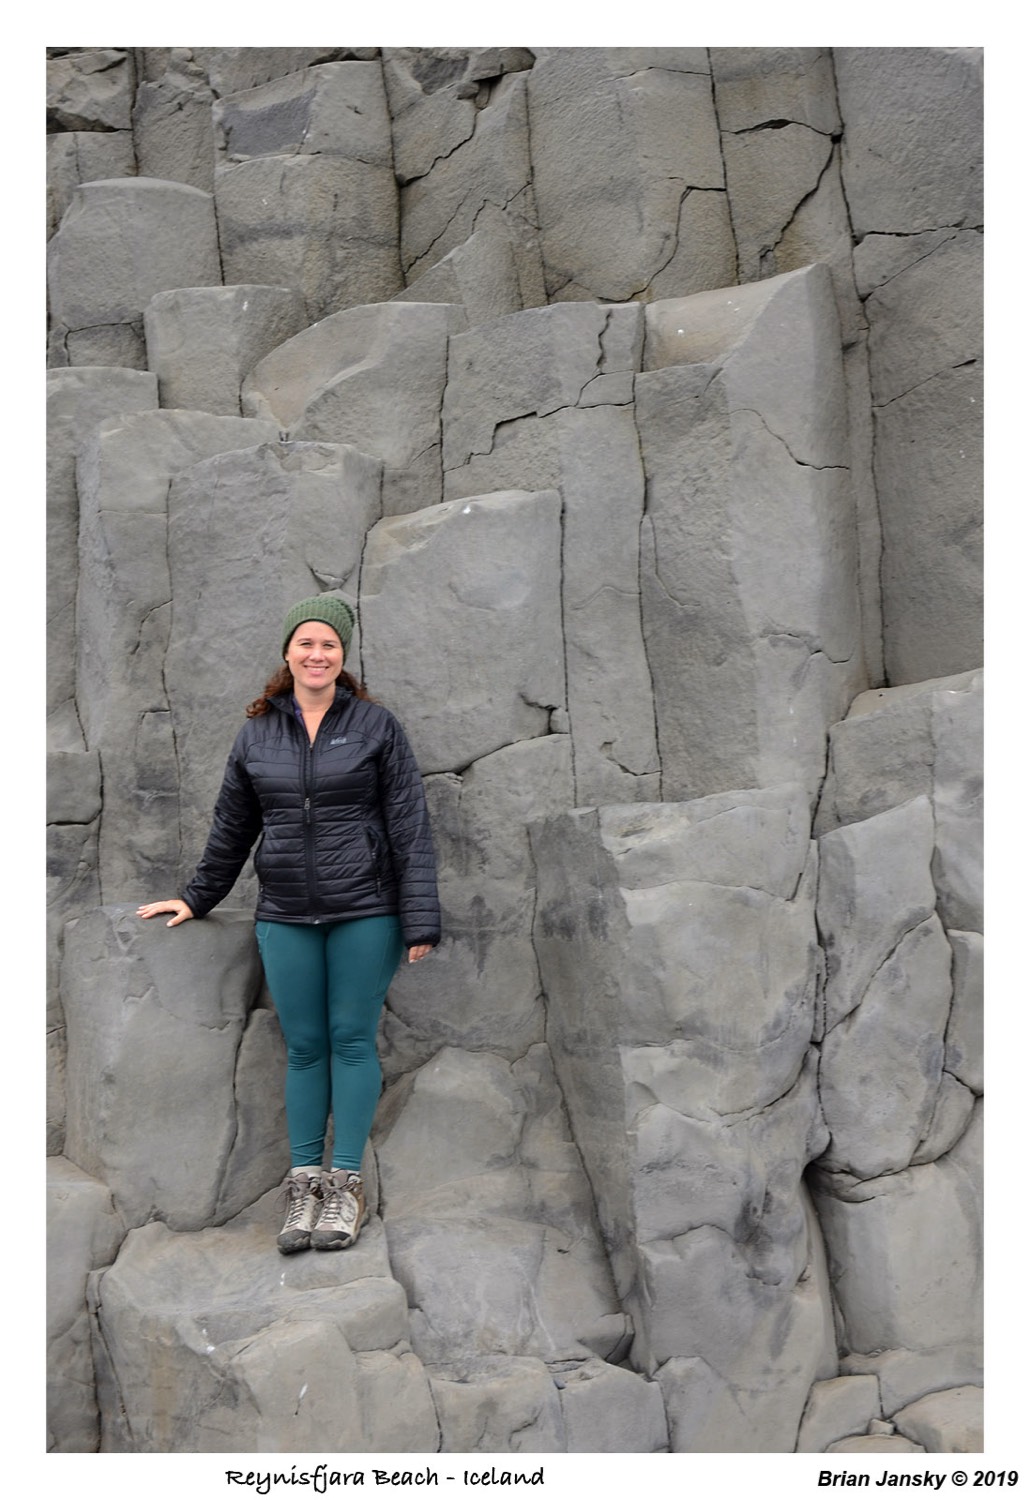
pixel 328 983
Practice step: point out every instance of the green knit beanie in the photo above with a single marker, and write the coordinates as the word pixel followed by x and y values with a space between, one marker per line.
pixel 324 607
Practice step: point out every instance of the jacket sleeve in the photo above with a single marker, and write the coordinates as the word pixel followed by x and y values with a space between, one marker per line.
pixel 406 817
pixel 234 827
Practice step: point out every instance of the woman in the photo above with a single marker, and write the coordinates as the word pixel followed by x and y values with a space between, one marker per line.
pixel 325 778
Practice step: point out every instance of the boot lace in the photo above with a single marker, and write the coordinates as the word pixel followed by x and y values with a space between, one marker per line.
pixel 296 1191
pixel 339 1203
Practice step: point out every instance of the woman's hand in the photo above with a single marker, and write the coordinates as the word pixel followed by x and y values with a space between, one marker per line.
pixel 181 910
pixel 414 954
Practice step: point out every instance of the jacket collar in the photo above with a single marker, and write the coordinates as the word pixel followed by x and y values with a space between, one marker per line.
pixel 284 701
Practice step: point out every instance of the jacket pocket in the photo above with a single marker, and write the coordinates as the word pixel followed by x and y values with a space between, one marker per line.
pixel 375 853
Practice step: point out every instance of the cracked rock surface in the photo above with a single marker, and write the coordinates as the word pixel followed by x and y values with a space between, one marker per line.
pixel 632 398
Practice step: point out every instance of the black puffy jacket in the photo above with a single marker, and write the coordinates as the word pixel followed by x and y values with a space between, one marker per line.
pixel 343 823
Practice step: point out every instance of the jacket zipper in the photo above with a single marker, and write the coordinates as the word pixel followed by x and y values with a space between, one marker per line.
pixel 309 822
pixel 308 786
pixel 374 851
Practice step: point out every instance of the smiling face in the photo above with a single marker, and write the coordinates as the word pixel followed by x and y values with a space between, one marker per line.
pixel 315 656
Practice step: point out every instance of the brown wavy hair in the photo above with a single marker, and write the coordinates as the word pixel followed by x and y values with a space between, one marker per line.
pixel 281 684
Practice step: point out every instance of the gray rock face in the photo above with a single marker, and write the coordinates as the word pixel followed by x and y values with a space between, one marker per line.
pixel 306 159
pixel 937 629
pixel 540 362
pixel 76 401
pixel 493 1197
pixel 772 171
pixel 925 358
pixel 867 512
pixel 779 121
pixel 114 344
pixel 337 108
pixel 636 128
pixel 906 1375
pixel 920 251
pixel 877 1129
pixel 231 69
pixel 481 987
pixel 946 1421
pixel 202 341
pixel 121 242
pixel 209 1343
pixel 83 1232
pixel 910 340
pixel 913 137
pixel 893 988
pixel 73 792
pixel 497 1404
pixel 189 1146
pixel 900 1251
pixel 80 156
pixel 372 376
pixel 90 90
pixel 924 739
pixel 756 86
pixel 172 126
pixel 539 399
pixel 518 1405
pixel 631 397
pixel 72 885
pixel 345 209
pixel 453 180
pixel 124 610
pixel 431 114
pixel 876 1443
pixel 434 94
pixel 964 1040
pixel 646 984
pixel 481 276
pixel 608 1409
pixel 876 887
pixel 484 575
pixel 892 880
pixel 838 1408
pixel 752 657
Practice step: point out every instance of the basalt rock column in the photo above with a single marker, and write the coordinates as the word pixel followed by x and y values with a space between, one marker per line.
pixel 544 398
pixel 899 1189
pixel 672 938
pixel 749 543
pixel 190 1146
pixel 304 187
pixel 120 242
pixel 123 616
pixel 912 169
pixel 466 596
pixel 372 376
pixel 633 128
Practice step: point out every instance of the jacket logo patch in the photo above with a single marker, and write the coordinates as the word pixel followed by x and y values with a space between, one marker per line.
pixel 341 741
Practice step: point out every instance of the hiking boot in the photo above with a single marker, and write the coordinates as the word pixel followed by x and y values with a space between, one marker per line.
pixel 343 1210
pixel 302 1192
